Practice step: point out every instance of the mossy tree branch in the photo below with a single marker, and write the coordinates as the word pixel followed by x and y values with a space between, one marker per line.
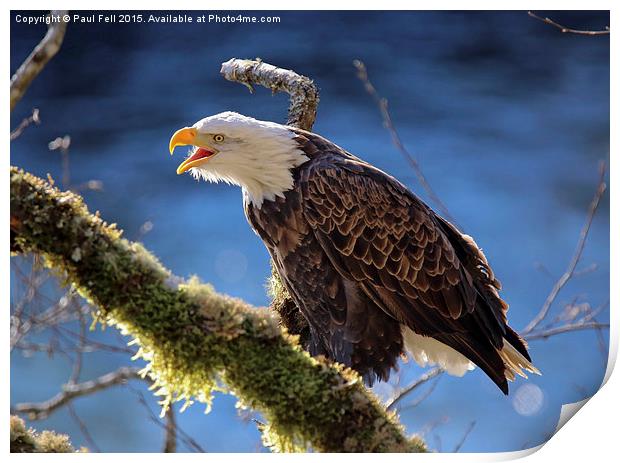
pixel 195 340
pixel 25 440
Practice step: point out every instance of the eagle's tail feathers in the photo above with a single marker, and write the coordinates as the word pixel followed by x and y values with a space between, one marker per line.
pixel 515 362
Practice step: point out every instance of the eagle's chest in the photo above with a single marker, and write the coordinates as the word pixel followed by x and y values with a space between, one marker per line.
pixel 279 223
pixel 301 262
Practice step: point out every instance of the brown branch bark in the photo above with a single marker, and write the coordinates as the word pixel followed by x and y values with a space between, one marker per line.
pixel 304 94
pixel 568 30
pixel 423 379
pixel 41 410
pixel 572 265
pixel 170 441
pixel 40 56
pixel 25 123
pixel 547 333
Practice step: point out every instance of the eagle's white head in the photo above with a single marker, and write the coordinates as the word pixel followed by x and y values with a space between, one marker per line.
pixel 256 155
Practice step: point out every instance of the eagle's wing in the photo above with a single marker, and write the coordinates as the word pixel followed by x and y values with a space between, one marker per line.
pixel 410 262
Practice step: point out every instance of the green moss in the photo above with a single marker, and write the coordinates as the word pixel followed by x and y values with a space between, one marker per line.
pixel 196 341
pixel 290 316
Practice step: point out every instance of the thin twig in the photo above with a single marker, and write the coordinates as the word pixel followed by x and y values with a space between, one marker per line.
pixel 188 440
pixel 92 345
pixel 170 443
pixel 584 271
pixel 544 334
pixel 468 431
pixel 79 354
pixel 602 344
pixel 25 123
pixel 543 269
pixel 594 312
pixel 413 386
pixel 83 429
pixel 39 57
pixel 63 144
pixel 568 274
pixel 362 74
pixel 424 396
pixel 41 410
pixel 569 30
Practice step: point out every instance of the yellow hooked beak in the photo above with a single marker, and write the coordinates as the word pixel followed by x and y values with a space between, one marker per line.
pixel 187 136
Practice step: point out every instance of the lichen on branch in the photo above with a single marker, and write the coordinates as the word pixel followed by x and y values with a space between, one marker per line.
pixel 195 340
pixel 25 440
pixel 303 93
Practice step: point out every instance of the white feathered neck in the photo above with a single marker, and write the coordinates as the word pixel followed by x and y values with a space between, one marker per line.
pixel 256 155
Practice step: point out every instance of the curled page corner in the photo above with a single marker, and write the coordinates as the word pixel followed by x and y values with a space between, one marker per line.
pixel 517 454
pixel 568 411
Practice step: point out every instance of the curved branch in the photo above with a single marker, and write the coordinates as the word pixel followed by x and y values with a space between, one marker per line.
pixel 423 379
pixel 547 333
pixel 25 123
pixel 568 30
pixel 572 265
pixel 304 94
pixel 194 339
pixel 39 57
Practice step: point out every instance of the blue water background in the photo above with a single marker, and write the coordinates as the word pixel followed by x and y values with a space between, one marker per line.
pixel 507 117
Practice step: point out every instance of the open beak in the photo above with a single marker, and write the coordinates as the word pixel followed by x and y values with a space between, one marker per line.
pixel 187 136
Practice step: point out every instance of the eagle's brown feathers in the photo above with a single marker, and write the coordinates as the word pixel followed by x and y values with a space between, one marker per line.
pixel 362 257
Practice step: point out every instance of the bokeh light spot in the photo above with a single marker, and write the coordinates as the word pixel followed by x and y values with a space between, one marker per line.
pixel 528 399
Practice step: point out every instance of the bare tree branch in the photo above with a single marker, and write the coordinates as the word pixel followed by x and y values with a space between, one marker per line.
pixel 362 74
pixel 424 396
pixel 544 334
pixel 185 438
pixel 170 443
pixel 568 274
pixel 83 428
pixel 25 123
pixel 79 354
pixel 42 53
pixel 304 94
pixel 569 30
pixel 41 410
pixel 468 431
pixel 430 374
pixel 62 144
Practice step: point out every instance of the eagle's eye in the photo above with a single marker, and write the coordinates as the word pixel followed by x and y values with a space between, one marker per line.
pixel 219 138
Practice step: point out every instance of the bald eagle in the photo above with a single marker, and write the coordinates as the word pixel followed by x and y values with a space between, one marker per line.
pixel 374 270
